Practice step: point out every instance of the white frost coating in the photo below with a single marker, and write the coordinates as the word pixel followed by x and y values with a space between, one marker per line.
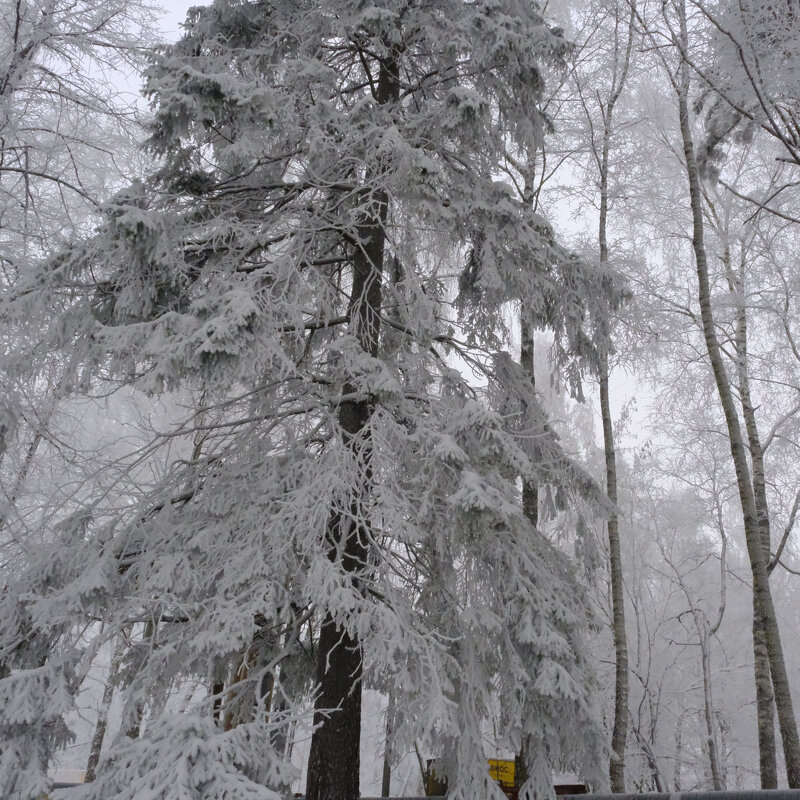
pixel 187 757
pixel 222 281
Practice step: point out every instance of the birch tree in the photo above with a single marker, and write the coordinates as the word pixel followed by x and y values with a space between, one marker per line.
pixel 764 613
pixel 620 22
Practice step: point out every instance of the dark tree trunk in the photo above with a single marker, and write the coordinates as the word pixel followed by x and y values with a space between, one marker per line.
pixel 386 783
pixel 530 489
pixel 334 760
pixel 530 495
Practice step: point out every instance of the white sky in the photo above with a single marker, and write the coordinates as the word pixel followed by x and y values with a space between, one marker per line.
pixel 174 14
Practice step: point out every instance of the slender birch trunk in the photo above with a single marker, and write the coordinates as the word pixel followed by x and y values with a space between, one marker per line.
pixel 105 704
pixel 136 717
pixel 676 779
pixel 42 422
pixel 658 779
pixel 765 707
pixel 619 732
pixel 708 707
pixel 705 632
pixel 764 610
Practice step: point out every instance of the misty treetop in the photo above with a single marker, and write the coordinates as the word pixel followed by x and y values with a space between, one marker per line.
pixel 324 485
pixel 419 367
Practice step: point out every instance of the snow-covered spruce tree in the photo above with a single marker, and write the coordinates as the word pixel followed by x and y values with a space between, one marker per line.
pixel 63 126
pixel 325 169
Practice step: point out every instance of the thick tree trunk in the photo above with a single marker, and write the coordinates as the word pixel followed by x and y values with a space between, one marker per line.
pixel 386 782
pixel 530 489
pixel 334 759
pixel 762 598
pixel 334 762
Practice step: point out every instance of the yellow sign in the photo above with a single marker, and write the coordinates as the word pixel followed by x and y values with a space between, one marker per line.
pixel 502 770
